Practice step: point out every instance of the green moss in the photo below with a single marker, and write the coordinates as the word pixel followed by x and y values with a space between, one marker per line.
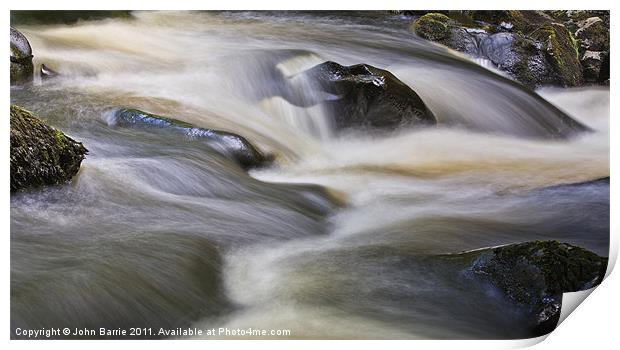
pixel 433 26
pixel 562 52
pixel 40 155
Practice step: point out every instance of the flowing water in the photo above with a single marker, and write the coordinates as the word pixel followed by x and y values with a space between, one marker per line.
pixel 159 231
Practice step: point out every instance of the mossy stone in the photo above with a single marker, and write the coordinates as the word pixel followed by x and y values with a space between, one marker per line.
pixel 433 26
pixel 40 154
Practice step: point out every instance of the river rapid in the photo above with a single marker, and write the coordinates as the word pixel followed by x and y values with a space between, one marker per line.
pixel 336 238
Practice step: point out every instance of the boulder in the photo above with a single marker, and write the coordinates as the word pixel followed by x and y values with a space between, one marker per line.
pixel 532 46
pixel 366 96
pixel 40 154
pixel 226 143
pixel 22 69
pixel 535 274
pixel 523 58
pixel 593 34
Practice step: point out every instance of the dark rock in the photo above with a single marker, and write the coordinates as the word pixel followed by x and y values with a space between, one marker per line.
pixel 592 63
pixel 535 274
pixel 521 57
pixel 40 154
pixel 366 96
pixel 47 73
pixel 530 45
pixel 22 69
pixel 62 16
pixel 562 52
pixel 593 34
pixel 226 143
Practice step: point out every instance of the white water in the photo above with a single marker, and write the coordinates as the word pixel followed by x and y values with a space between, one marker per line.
pixel 463 185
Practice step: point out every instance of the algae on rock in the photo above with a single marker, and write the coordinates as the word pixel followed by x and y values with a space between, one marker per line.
pixel 40 154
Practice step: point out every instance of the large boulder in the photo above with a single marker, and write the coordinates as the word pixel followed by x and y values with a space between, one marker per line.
pixel 22 68
pixel 365 96
pixel 535 274
pixel 40 154
pixel 226 143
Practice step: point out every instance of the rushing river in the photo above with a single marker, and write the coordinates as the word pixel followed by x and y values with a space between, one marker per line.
pixel 134 239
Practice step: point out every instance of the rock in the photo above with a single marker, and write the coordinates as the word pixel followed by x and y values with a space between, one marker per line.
pixel 22 69
pixel 521 57
pixel 366 96
pixel 40 154
pixel 530 45
pixel 226 143
pixel 592 63
pixel 593 34
pixel 433 26
pixel 62 16
pixel 535 274
pixel 47 73
pixel 562 53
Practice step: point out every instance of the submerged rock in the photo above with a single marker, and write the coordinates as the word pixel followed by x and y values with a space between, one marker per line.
pixel 228 144
pixel 366 96
pixel 22 69
pixel 535 274
pixel 47 73
pixel 40 154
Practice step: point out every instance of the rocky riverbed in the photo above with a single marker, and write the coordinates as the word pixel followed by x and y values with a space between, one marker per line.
pixel 341 175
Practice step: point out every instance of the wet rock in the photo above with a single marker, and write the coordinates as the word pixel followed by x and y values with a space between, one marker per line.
pixel 47 73
pixel 532 46
pixel 535 274
pixel 561 52
pixel 22 69
pixel 40 154
pixel 228 144
pixel 593 34
pixel 593 66
pixel 366 96
pixel 521 57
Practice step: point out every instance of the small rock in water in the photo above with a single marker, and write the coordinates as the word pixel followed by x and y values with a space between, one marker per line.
pixel 226 143
pixel 47 73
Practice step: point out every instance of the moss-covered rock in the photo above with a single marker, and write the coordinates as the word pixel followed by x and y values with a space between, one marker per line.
pixel 22 69
pixel 433 26
pixel 593 34
pixel 226 143
pixel 530 45
pixel 40 154
pixel 535 274
pixel 562 52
